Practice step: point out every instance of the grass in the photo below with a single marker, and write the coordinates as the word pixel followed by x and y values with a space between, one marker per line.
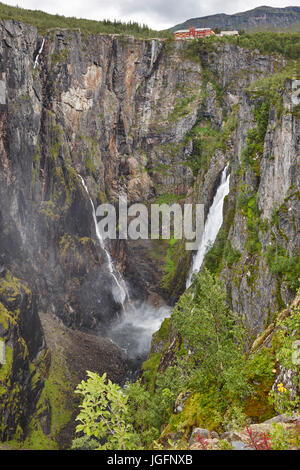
pixel 43 21
pixel 268 42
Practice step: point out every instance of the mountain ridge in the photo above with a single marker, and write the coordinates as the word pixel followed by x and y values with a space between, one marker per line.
pixel 283 19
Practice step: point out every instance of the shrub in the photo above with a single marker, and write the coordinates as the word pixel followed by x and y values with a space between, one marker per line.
pixel 104 414
pixel 257 440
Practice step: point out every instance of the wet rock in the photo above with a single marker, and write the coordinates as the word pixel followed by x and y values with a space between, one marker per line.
pixel 3 271
pixel 283 418
pixel 239 445
pixel 21 331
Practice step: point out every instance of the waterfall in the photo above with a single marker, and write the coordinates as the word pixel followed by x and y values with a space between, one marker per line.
pixel 153 48
pixel 133 331
pixel 36 62
pixel 212 224
pixel 119 289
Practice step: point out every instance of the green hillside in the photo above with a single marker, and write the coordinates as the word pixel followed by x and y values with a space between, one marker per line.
pixel 259 19
pixel 43 21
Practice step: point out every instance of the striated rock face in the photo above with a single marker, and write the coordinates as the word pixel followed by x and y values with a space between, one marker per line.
pixel 255 289
pixel 256 252
pixel 261 212
pixel 119 112
pixel 116 111
pixel 25 351
pixel 149 120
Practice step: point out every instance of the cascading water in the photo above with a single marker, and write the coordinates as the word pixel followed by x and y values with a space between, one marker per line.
pixel 212 224
pixel 36 62
pixel 119 288
pixel 133 331
pixel 153 48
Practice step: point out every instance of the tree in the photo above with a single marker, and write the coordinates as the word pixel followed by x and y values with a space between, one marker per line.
pixel 214 335
pixel 104 414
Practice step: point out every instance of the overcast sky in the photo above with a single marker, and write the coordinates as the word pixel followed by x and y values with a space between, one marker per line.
pixel 158 14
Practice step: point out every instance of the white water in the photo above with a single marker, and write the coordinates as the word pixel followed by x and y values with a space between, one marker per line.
pixel 212 224
pixel 36 62
pixel 119 289
pixel 133 331
pixel 153 48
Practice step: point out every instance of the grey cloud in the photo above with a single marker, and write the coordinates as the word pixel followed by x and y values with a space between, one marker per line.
pixel 156 13
pixel 174 10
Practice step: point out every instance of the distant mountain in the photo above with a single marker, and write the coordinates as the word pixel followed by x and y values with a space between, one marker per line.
pixel 261 18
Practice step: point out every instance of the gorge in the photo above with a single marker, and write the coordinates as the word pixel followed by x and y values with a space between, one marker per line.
pixel 86 118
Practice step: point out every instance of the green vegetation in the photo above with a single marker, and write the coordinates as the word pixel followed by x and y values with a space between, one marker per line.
pixel 207 139
pixel 217 385
pixel 250 160
pixel 176 267
pixel 287 44
pixel 47 382
pixel 284 266
pixel 181 108
pixel 62 56
pixel 211 331
pixel 104 414
pixel 231 254
pixel 170 261
pixel 54 401
pixel 286 347
pixel 44 21
pixel 271 87
pixel 168 198
pixel 220 381
pixel 255 138
pixel 213 257
pixel 260 366
pixel 15 296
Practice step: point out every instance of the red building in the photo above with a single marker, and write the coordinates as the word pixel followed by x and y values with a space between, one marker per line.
pixel 193 33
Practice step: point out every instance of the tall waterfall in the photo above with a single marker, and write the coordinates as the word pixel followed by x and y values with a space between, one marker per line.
pixel 212 224
pixel 133 331
pixel 119 289
pixel 36 62
pixel 153 48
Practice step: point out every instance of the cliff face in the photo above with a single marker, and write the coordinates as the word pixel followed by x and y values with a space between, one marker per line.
pixel 261 215
pixel 258 287
pixel 126 115
pixel 256 252
pixel 97 106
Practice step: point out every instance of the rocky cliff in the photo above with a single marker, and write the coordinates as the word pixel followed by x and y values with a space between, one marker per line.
pixel 261 216
pixel 106 108
pixel 151 119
